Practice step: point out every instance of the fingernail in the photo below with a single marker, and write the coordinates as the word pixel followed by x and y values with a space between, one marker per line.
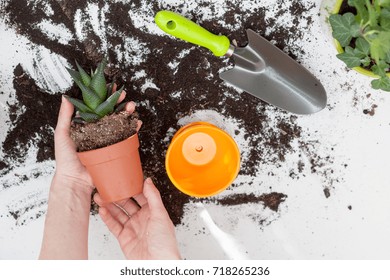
pixel 148 181
pixel 131 105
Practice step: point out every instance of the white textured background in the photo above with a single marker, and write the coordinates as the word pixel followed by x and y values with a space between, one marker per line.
pixel 307 225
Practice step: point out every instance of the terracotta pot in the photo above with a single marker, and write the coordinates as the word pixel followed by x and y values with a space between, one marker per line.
pixel 116 170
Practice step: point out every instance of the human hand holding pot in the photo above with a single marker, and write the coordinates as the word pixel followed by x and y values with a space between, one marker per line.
pixel 69 202
pixel 68 166
pixel 143 227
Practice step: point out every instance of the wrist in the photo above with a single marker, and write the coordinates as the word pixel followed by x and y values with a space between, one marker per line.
pixel 73 184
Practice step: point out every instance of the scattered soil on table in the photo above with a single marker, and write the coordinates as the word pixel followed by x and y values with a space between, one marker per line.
pixel 33 119
pixel 25 209
pixel 370 112
pixel 270 200
pixel 142 62
pixel 327 192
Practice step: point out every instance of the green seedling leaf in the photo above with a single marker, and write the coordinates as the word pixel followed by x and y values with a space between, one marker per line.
pixel 107 106
pixel 89 117
pixel 384 19
pixel 366 61
pixel 384 3
pixel 98 82
pixel 363 46
pixel 351 57
pixel 380 68
pixel 380 46
pixel 362 12
pixel 85 78
pixel 372 14
pixel 79 104
pixel 344 28
pixel 382 83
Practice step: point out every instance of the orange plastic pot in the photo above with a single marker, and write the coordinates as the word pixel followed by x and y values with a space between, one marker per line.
pixel 116 170
pixel 202 160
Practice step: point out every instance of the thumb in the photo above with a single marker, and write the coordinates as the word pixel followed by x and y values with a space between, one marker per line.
pixel 65 149
pixel 64 118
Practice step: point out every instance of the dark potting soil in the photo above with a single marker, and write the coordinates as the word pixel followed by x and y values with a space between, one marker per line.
pixel 108 130
pixel 32 120
pixel 270 200
pixel 196 79
pixel 345 8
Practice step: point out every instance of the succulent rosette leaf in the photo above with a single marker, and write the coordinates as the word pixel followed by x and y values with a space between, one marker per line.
pixel 96 102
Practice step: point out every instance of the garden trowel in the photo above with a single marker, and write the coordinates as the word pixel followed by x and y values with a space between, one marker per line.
pixel 260 69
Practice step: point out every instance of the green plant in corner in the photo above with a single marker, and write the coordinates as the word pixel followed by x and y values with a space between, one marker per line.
pixel 365 38
pixel 96 102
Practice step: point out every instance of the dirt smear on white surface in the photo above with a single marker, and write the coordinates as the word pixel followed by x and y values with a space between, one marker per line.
pixel 169 79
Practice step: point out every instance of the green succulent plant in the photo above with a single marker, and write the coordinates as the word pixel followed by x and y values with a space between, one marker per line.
pixel 97 102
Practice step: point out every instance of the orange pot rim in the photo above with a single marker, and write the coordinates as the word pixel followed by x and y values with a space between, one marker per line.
pixel 178 135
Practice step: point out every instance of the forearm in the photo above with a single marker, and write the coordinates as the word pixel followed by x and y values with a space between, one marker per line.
pixel 67 220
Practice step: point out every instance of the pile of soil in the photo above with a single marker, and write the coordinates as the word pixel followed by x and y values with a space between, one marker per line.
pixel 108 130
pixel 196 79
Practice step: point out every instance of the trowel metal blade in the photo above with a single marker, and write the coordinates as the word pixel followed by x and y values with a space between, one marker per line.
pixel 266 72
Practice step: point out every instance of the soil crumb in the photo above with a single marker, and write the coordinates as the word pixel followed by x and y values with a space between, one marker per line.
pixel 370 112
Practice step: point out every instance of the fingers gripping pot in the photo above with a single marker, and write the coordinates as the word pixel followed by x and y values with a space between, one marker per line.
pixel 202 160
pixel 116 170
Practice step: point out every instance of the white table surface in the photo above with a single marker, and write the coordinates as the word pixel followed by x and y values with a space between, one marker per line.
pixel 307 226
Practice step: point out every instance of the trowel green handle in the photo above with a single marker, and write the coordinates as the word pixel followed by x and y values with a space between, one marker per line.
pixel 189 31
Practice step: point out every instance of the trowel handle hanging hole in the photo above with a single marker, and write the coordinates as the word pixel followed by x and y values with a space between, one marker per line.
pixel 199 148
pixel 171 25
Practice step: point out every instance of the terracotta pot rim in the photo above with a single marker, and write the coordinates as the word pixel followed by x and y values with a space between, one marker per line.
pixel 100 149
pixel 111 152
